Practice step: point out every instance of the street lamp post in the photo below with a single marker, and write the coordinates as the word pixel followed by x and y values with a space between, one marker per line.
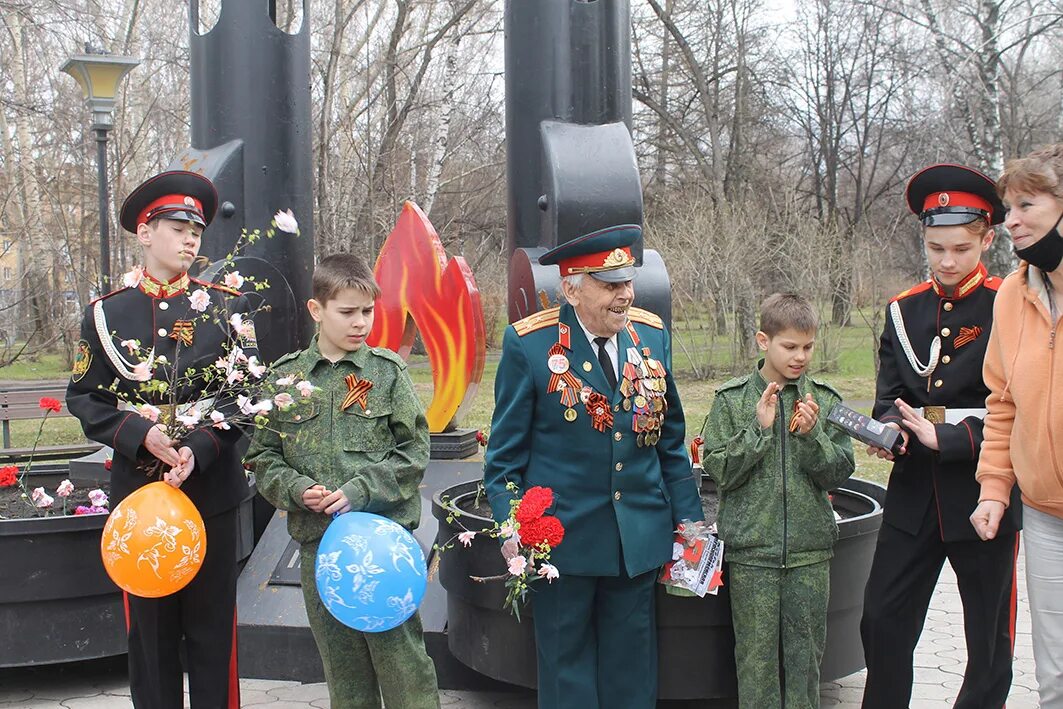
pixel 99 76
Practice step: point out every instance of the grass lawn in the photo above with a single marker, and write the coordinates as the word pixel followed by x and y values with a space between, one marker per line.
pixel 850 350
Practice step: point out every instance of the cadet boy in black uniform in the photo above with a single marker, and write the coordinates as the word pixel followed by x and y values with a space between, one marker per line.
pixel 930 388
pixel 163 310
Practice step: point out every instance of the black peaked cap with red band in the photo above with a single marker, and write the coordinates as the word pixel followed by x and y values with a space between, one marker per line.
pixel 177 194
pixel 945 195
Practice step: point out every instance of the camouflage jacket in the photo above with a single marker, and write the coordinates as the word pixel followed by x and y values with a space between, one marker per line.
pixel 377 454
pixel 773 484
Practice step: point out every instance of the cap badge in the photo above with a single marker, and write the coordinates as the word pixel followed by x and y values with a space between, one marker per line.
pixel 943 199
pixel 190 202
pixel 616 259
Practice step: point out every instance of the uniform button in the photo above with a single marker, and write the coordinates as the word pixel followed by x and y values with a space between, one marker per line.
pixel 616 495
pixel 619 467
pixel 162 332
pixel 946 359
pixel 368 412
pixel 163 305
pixel 617 436
pixel 616 408
pixel 947 306
pixel 938 383
pixel 945 332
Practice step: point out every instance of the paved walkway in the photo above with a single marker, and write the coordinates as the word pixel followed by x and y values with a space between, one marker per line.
pixel 939 664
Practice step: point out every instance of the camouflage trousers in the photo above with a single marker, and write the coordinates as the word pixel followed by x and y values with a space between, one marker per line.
pixel 363 668
pixel 779 613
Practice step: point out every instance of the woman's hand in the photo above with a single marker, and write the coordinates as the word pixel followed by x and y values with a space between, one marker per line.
pixel 986 518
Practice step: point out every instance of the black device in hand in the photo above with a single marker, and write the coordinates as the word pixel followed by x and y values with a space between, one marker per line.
pixel 866 429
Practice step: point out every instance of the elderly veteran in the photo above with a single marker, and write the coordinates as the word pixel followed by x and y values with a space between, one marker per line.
pixel 585 404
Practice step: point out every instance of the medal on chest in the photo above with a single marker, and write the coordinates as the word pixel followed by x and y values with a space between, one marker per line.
pixel 643 386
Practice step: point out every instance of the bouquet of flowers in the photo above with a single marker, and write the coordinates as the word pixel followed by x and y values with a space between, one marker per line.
pixel 528 536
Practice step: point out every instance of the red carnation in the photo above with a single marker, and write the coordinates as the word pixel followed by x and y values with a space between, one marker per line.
pixel 48 402
pixel 546 530
pixel 107 464
pixel 8 475
pixel 481 438
pixel 535 502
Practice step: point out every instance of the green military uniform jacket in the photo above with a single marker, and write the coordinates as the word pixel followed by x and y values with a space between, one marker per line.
pixel 376 455
pixel 611 494
pixel 773 484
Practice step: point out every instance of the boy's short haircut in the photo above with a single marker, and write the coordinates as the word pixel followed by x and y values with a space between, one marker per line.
pixel 339 272
pixel 787 311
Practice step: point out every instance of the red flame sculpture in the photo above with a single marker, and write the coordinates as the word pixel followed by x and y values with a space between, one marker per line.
pixel 424 291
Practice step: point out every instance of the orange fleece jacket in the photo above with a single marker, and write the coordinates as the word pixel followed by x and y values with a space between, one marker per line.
pixel 1024 372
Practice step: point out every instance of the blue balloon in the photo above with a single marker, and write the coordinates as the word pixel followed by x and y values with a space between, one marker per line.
pixel 370 572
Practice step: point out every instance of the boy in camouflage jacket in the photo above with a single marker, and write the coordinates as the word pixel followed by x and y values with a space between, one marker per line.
pixel 774 461
pixel 360 444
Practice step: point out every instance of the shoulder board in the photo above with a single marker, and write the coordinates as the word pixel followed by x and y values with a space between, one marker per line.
pixel 537 321
pixel 733 383
pixel 216 286
pixel 924 286
pixel 385 353
pixel 105 297
pixel 287 357
pixel 993 282
pixel 645 317
pixel 828 387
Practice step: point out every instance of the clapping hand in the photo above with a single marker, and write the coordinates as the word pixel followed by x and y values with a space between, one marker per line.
pixel 766 406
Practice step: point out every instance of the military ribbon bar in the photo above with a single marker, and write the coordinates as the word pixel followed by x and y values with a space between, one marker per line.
pixel 357 392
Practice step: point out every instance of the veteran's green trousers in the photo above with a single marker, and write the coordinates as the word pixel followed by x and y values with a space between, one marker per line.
pixel 772 606
pixel 361 668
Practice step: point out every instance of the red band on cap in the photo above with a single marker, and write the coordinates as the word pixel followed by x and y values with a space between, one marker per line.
pixel 936 200
pixel 600 261
pixel 170 203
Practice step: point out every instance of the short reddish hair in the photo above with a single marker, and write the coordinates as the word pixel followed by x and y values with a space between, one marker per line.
pixel 1040 171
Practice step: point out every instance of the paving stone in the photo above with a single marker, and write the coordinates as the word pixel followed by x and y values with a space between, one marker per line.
pixel 301 692
pixel 931 690
pixel 103 701
pixel 14 695
pixel 254 697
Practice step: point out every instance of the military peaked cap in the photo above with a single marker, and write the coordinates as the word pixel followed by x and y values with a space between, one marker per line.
pixel 180 195
pixel 945 195
pixel 605 254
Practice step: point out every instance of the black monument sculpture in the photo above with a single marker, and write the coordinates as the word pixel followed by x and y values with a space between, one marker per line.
pixel 251 135
pixel 570 160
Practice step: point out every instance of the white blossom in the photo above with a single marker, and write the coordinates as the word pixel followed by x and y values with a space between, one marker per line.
pixel 285 221
pixel 199 300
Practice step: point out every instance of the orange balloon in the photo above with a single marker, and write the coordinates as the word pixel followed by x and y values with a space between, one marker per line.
pixel 154 541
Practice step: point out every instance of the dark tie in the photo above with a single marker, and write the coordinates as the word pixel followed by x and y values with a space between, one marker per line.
pixel 607 364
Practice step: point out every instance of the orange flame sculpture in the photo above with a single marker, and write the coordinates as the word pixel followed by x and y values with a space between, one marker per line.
pixel 424 291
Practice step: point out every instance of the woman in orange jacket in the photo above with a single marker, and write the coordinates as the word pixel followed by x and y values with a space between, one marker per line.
pixel 1024 426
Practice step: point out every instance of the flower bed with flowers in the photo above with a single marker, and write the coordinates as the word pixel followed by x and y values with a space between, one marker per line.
pixel 21 497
